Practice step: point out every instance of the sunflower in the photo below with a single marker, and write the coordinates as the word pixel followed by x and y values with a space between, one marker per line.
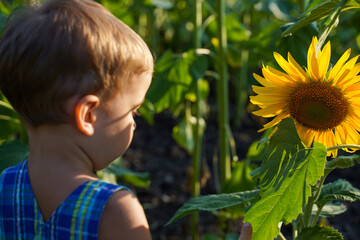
pixel 324 103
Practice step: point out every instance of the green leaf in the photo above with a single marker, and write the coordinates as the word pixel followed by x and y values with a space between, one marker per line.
pixel 282 146
pixel 183 135
pixel 314 14
pixel 298 43
pixel 199 64
pixel 351 4
pixel 12 153
pixel 214 202
pixel 240 178
pixel 257 148
pixel 340 190
pixel 285 187
pixel 164 4
pixel 10 123
pixel 330 209
pixel 174 79
pixel 319 233
pixel 147 111
pixel 134 178
pixel 4 10
pixel 210 236
pixel 341 162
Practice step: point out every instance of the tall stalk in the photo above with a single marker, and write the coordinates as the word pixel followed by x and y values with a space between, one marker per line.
pixel 241 88
pixel 242 82
pixel 222 96
pixel 197 133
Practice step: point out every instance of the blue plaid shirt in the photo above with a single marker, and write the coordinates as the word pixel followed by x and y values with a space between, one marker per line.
pixel 76 218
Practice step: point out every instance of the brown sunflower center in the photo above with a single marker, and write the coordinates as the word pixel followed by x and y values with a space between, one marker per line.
pixel 318 106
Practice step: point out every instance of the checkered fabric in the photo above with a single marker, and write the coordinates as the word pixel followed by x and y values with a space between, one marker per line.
pixel 77 218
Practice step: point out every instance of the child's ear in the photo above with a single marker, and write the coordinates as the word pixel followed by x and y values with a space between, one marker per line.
pixel 85 115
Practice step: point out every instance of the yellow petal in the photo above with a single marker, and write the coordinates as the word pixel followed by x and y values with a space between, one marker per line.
pixel 300 71
pixel 313 65
pixel 276 77
pixel 286 67
pixel 345 70
pixel 263 81
pixel 333 153
pixel 324 60
pixel 353 89
pixel 262 100
pixel 330 141
pixel 354 121
pixel 271 110
pixel 340 63
pixel 350 78
pixel 306 134
pixel 340 135
pixel 271 90
pixel 352 136
pixel 275 121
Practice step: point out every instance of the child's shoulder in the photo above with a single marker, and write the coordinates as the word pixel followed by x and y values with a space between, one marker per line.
pixel 123 214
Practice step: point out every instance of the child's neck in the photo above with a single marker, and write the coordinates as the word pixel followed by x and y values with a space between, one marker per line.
pixel 57 166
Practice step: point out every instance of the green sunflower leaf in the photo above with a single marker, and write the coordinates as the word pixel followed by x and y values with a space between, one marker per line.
pixel 340 190
pixel 214 202
pixel 287 174
pixel 341 162
pixel 319 233
pixel 282 146
pixel 330 209
pixel 314 14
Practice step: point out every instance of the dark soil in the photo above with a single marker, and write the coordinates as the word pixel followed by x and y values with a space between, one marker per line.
pixel 154 151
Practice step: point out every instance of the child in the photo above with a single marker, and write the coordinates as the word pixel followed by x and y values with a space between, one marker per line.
pixel 76 75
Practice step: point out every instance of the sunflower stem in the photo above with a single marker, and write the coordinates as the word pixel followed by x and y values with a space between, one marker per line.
pixel 309 206
pixel 222 90
pixel 329 23
pixel 198 136
pixel 316 216
pixel 343 146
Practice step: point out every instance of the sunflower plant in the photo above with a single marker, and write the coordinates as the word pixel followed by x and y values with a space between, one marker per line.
pixel 315 113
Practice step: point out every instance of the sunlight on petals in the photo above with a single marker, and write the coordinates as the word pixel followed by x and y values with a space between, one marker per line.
pixel 275 121
pixel 300 71
pixel 271 110
pixel 344 71
pixel 263 81
pixel 313 65
pixel 324 60
pixel 338 66
pixel 286 67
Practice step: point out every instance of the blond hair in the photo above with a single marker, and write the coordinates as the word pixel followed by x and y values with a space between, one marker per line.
pixel 66 48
